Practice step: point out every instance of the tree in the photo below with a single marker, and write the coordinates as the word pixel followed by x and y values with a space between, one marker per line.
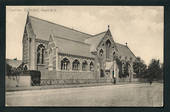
pixel 139 67
pixel 154 70
pixel 123 68
pixel 14 72
pixel 8 69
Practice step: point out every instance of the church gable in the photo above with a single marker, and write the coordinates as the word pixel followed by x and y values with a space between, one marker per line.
pixel 107 38
pixel 28 28
pixel 106 48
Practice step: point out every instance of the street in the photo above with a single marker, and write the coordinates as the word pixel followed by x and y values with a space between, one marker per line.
pixel 110 95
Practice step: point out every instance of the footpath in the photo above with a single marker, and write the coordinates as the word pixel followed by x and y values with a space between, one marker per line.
pixel 62 86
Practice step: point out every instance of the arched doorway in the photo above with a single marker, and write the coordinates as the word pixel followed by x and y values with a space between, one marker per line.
pixel 101 73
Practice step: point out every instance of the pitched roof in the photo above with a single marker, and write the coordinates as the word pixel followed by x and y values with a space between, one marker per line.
pixel 71 41
pixel 125 51
pixel 95 40
pixel 73 47
pixel 43 29
pixel 14 63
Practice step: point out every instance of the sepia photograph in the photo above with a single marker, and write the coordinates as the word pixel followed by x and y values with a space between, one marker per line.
pixel 95 56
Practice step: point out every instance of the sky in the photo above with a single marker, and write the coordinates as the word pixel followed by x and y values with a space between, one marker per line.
pixel 140 26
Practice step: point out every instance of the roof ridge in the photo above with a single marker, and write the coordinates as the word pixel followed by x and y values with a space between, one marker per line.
pixel 60 25
pixel 99 33
pixel 121 44
pixel 71 40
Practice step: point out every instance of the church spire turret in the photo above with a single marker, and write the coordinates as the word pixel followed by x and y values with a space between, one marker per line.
pixel 108 27
pixel 28 13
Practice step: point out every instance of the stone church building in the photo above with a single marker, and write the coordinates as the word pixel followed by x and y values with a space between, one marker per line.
pixel 56 49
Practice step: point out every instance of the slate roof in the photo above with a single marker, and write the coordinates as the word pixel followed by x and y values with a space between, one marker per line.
pixel 125 51
pixel 95 40
pixel 43 29
pixel 71 41
pixel 73 47
pixel 14 63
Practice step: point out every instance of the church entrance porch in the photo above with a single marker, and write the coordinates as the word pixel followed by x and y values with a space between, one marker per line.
pixel 109 68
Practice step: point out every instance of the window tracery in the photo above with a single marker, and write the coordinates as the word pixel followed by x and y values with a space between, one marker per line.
pixel 40 54
pixel 101 52
pixel 65 64
pixel 108 44
pixel 75 65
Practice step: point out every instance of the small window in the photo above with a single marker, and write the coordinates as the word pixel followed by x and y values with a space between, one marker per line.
pixel 101 52
pixel 91 66
pixel 130 58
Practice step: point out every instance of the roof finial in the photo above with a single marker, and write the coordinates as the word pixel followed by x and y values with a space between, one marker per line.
pixel 108 26
pixel 126 43
pixel 28 13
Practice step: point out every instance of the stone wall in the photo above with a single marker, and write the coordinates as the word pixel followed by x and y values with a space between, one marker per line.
pixel 45 74
pixel 21 81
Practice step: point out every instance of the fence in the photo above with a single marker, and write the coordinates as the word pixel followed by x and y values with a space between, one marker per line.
pixel 73 81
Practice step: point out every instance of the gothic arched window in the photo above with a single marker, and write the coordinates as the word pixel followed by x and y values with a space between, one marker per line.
pixel 91 66
pixel 40 54
pixel 84 66
pixel 65 64
pixel 101 52
pixel 108 44
pixel 25 68
pixel 76 65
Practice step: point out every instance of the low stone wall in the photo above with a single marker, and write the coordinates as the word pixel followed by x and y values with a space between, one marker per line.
pixel 73 81
pixel 21 81
pixel 67 75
